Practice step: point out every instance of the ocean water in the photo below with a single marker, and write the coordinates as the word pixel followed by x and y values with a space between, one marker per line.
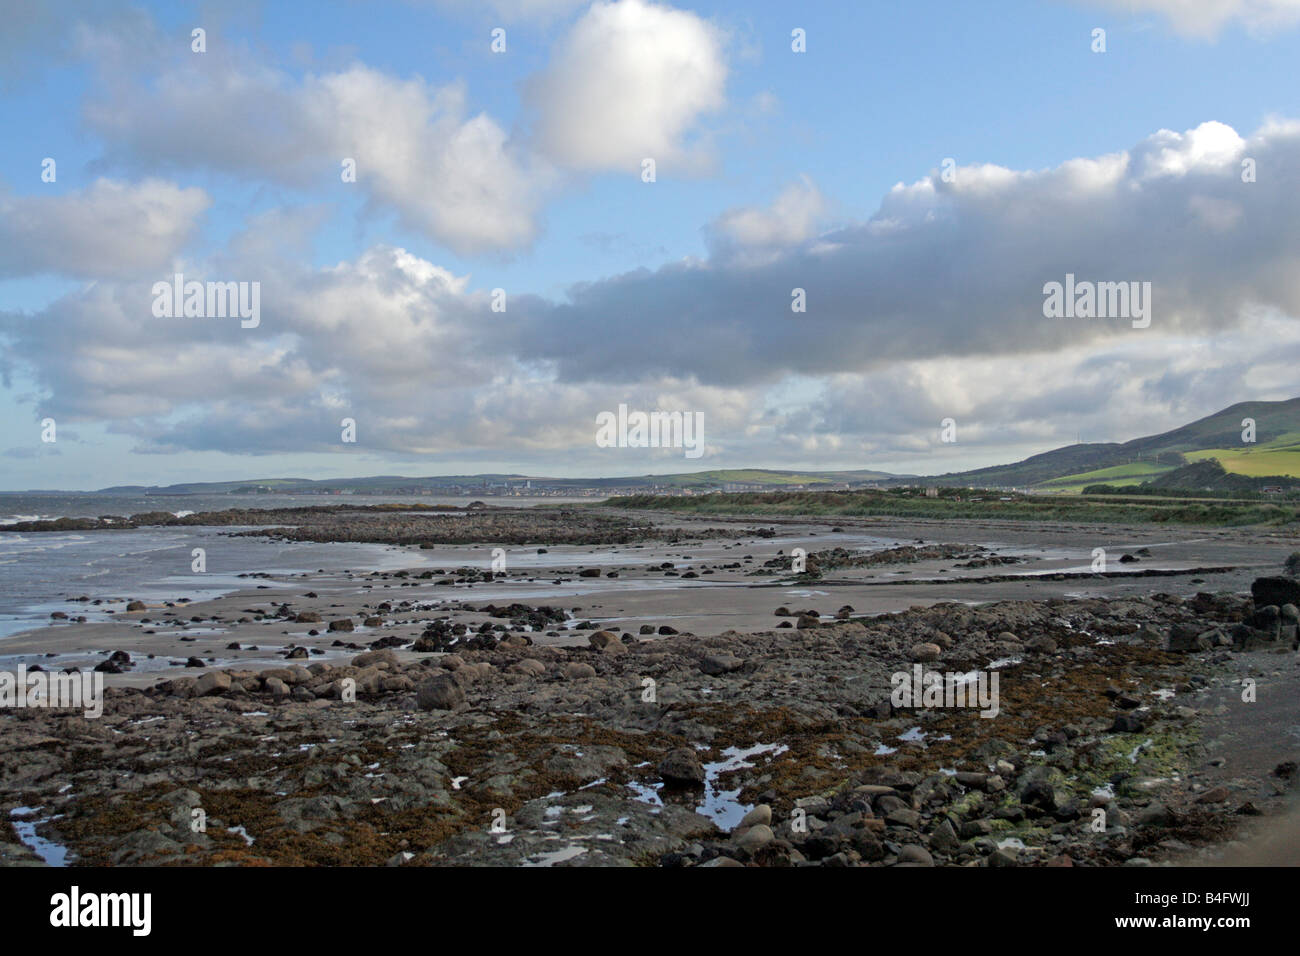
pixel 40 572
pixel 32 506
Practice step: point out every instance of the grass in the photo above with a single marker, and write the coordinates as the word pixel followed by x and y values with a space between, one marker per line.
pixel 1262 462
pixel 1131 473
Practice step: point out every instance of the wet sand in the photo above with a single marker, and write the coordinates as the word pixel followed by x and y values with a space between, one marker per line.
pixel 732 590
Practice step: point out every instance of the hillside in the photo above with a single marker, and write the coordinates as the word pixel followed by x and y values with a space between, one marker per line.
pixel 467 484
pixel 1276 452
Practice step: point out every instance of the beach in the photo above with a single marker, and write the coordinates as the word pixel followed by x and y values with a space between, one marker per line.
pixel 659 692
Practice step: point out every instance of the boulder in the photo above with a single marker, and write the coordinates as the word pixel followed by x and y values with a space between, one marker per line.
pixel 681 768
pixel 1275 590
pixel 715 664
pixel 440 693
pixel 213 682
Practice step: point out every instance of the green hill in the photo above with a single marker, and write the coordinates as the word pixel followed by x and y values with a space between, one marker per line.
pixel 1276 452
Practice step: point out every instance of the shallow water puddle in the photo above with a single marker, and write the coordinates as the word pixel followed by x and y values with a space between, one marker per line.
pixel 555 856
pixel 54 854
pixel 724 806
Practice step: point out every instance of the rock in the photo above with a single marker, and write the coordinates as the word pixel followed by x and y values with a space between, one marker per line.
pixel 307 617
pixel 374 622
pixel 1130 723
pixel 1187 639
pixel 529 667
pixel 213 682
pixel 665 630
pixel 754 838
pixel 715 664
pixel 297 654
pixel 440 693
pixel 602 639
pixel 1156 815
pixel 944 838
pixel 370 658
pixel 1003 856
pixel 1276 590
pixel 1214 795
pixel 760 814
pixel 915 855
pixel 973 781
pixel 646 629
pixel 807 621
pixel 343 624
pixel 276 687
pixel 589 573
pixel 1041 645
pixel 1039 793
pixel 903 817
pixel 681 768
pixel 579 671
pixel 924 653
pixel 137 606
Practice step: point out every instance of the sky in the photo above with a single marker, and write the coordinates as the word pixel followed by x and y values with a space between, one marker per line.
pixel 473 226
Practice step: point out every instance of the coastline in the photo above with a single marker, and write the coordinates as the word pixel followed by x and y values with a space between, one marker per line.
pixel 779 713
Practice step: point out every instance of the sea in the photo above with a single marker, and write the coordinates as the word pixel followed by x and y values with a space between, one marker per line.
pixel 39 572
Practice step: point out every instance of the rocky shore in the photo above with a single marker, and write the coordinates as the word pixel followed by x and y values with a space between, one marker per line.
pixel 1129 731
pixel 412 524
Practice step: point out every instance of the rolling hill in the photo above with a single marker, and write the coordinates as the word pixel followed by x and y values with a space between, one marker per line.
pixel 1276 452
pixel 1164 460
pixel 759 478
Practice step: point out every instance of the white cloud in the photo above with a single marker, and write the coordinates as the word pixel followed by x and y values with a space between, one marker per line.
pixel 630 81
pixel 792 217
pixel 108 229
pixel 453 176
pixel 933 308
pixel 1205 18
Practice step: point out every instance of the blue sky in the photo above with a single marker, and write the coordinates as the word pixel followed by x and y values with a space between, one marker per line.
pixel 227 163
